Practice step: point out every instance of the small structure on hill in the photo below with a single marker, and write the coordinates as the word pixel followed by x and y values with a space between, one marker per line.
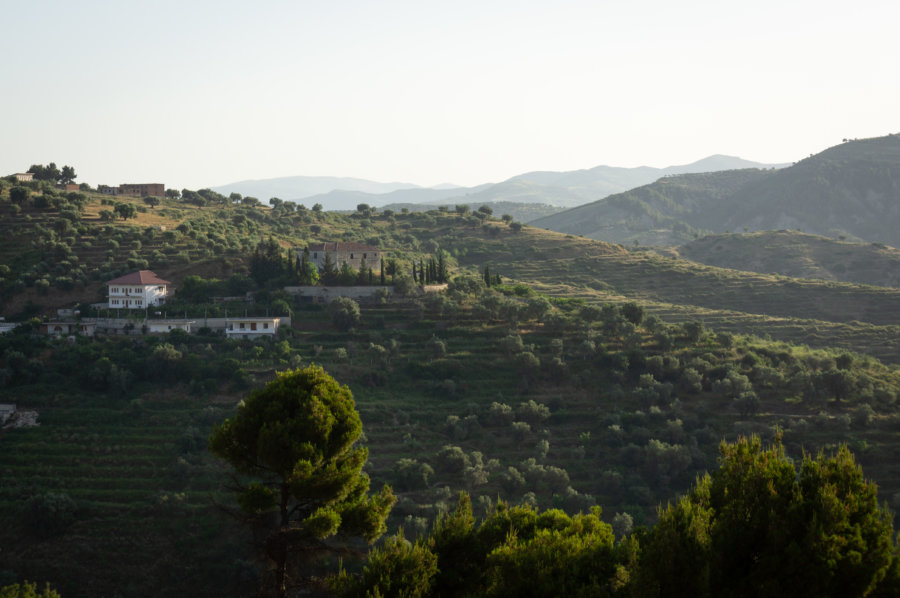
pixel 135 189
pixel 24 177
pixel 344 253
pixel 6 411
pixel 68 327
pixel 164 326
pixel 251 326
pixel 137 290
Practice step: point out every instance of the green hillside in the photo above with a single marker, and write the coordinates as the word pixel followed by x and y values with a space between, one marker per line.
pixel 798 255
pixel 661 213
pixel 593 375
pixel 849 190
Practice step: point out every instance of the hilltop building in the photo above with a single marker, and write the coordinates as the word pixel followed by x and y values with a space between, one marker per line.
pixel 138 190
pixel 24 177
pixel 137 290
pixel 341 253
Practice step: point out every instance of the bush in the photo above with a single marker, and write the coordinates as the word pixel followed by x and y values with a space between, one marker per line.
pixel 344 312
pixel 49 515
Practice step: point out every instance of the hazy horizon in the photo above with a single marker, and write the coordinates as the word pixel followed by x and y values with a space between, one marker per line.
pixel 206 94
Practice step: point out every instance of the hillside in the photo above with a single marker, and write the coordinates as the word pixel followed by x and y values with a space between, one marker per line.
pixel 593 375
pixel 798 255
pixel 849 190
pixel 660 213
pixel 218 240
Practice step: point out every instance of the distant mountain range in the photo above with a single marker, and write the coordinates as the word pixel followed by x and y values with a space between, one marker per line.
pixel 295 188
pixel 851 190
pixel 564 189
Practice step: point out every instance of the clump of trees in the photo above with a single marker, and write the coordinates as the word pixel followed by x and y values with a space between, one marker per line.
pixel 52 173
pixel 757 526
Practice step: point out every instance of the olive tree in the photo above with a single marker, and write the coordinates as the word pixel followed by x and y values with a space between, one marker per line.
pixel 293 446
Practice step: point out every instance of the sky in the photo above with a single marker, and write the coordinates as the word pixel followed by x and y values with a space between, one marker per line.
pixel 196 93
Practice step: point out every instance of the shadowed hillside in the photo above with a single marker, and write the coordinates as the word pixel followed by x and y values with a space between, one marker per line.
pixel 850 190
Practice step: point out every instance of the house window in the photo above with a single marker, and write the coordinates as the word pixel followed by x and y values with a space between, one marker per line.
pixel 252 325
pixel 351 256
pixel 242 325
pixel 315 255
pixel 364 256
pixel 265 325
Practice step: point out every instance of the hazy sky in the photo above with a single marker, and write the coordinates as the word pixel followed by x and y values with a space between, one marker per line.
pixel 201 93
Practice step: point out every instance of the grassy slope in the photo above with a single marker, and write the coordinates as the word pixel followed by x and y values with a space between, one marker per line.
pixel 798 255
pixel 855 317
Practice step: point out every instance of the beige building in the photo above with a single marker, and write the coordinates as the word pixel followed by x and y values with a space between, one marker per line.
pixel 143 189
pixel 349 253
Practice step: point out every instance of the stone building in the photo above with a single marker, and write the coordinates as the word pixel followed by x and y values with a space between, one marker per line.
pixel 349 253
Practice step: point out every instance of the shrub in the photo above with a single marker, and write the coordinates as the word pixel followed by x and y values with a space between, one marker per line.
pixel 48 515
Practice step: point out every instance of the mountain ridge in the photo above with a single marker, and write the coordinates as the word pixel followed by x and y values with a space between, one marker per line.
pixel 849 190
pixel 556 188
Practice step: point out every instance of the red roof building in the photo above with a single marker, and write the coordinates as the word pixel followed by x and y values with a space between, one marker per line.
pixel 137 290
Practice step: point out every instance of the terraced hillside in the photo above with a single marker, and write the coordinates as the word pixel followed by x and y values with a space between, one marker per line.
pixel 558 388
pixel 798 255
pixel 856 317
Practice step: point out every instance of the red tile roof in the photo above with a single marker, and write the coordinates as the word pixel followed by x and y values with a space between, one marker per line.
pixel 139 277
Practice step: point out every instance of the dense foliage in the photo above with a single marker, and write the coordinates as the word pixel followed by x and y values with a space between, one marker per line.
pixel 754 527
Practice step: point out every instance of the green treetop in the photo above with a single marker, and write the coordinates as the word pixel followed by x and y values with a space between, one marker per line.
pixel 295 439
pixel 758 527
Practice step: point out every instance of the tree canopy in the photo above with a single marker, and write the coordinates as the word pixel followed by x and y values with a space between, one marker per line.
pixel 294 440
pixel 758 527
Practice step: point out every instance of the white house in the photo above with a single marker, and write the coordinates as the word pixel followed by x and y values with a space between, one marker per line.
pixel 164 326
pixel 249 326
pixel 137 290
